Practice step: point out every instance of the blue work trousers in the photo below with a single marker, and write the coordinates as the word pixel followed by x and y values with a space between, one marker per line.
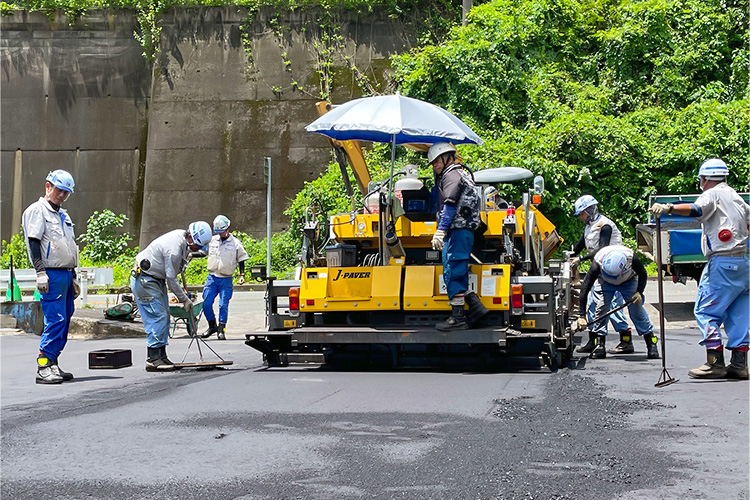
pixel 723 299
pixel 151 296
pixel 458 243
pixel 57 306
pixel 619 323
pixel 223 288
pixel 638 314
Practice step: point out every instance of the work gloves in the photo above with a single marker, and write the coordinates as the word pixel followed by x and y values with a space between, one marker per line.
pixel 42 281
pixel 241 281
pixel 575 261
pixel 437 240
pixel 660 208
pixel 581 324
pixel 188 305
pixel 76 289
pixel 637 298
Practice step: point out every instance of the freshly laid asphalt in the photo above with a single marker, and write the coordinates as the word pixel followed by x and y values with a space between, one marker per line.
pixel 596 429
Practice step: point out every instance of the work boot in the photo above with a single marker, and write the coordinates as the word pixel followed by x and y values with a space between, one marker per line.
pixel 588 346
pixel 457 320
pixel 211 329
pixel 651 346
pixel 66 376
pixel 44 372
pixel 738 366
pixel 163 355
pixel 477 311
pixel 600 350
pixel 155 362
pixel 626 343
pixel 714 366
pixel 221 332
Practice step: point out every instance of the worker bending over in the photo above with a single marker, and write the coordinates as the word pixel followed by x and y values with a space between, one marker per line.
pixel 599 232
pixel 157 266
pixel 723 289
pixel 225 252
pixel 618 269
pixel 458 217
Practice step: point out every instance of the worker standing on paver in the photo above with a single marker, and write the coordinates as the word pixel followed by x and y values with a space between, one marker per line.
pixel 723 289
pixel 618 269
pixel 225 253
pixel 52 249
pixel 600 231
pixel 458 209
pixel 157 267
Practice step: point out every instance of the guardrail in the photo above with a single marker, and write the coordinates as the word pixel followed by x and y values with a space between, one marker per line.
pixel 87 276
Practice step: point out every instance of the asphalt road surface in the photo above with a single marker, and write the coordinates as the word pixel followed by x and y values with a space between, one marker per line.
pixel 597 429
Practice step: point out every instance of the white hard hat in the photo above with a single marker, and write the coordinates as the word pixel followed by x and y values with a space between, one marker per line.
pixel 615 264
pixel 437 149
pixel 584 202
pixel 221 224
pixel 490 192
pixel 61 180
pixel 201 233
pixel 713 169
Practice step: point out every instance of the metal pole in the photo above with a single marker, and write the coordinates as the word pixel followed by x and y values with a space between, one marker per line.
pixel 267 161
pixel 665 378
pixel 527 239
pixel 467 5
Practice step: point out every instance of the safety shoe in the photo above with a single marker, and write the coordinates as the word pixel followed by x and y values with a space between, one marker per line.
pixel 156 363
pixel 590 345
pixel 221 332
pixel 626 343
pixel 44 372
pixel 477 311
pixel 738 365
pixel 66 376
pixel 211 329
pixel 457 320
pixel 600 351
pixel 651 346
pixel 714 366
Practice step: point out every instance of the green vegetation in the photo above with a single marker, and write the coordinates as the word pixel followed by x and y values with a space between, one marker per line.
pixel 16 249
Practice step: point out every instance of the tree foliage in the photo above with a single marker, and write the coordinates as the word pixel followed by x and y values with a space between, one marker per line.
pixel 102 239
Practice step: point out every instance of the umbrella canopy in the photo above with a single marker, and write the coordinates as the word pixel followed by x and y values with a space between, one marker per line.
pixel 501 174
pixel 393 118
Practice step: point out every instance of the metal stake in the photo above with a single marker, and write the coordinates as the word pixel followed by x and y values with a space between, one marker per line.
pixel 665 378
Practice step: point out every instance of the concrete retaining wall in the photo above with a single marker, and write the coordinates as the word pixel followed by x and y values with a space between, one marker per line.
pixel 185 141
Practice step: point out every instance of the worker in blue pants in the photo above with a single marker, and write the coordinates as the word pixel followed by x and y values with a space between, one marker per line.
pixel 52 249
pixel 723 291
pixel 225 254
pixel 458 209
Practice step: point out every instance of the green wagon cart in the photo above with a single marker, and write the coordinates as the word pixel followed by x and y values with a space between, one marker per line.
pixel 180 317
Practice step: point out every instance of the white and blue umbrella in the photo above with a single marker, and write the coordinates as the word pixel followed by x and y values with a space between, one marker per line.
pixel 393 118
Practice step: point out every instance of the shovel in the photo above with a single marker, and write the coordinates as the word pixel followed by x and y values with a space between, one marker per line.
pixel 665 378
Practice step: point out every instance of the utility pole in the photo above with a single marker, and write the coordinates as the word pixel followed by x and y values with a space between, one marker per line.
pixel 267 179
pixel 467 5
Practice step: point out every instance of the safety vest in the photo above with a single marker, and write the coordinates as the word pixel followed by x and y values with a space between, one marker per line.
pixel 592 231
pixel 627 272
pixel 467 207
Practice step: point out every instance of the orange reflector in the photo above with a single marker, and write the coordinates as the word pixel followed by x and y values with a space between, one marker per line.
pixel 536 199
pixel 516 296
pixel 294 299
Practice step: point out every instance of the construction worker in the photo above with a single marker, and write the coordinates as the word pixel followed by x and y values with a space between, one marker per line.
pixel 52 249
pixel 618 269
pixel 723 289
pixel 599 232
pixel 458 217
pixel 225 253
pixel 157 267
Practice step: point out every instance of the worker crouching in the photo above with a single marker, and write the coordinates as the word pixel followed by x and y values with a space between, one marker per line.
pixel 458 218
pixel 618 269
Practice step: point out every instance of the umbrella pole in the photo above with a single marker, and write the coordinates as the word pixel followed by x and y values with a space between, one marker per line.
pixel 387 218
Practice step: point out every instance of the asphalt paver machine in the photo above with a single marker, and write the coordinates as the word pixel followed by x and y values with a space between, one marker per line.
pixel 374 292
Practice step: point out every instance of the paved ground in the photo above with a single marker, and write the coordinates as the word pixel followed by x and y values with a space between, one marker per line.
pixel 594 430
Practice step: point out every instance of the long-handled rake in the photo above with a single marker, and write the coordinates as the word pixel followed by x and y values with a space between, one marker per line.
pixel 665 378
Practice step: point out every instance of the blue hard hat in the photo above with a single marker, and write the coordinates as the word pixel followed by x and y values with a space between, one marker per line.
pixel 61 180
pixel 201 233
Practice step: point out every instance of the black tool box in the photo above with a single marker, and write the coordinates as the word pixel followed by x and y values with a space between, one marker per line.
pixel 110 358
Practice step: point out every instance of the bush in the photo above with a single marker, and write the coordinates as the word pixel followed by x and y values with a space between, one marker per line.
pixel 16 249
pixel 101 239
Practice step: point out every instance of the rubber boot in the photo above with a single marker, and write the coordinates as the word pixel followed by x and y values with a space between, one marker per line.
pixel 44 372
pixel 155 363
pixel 221 332
pixel 588 346
pixel 163 355
pixel 626 343
pixel 714 366
pixel 457 320
pixel 738 366
pixel 66 376
pixel 651 346
pixel 211 329
pixel 600 351
pixel 477 311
